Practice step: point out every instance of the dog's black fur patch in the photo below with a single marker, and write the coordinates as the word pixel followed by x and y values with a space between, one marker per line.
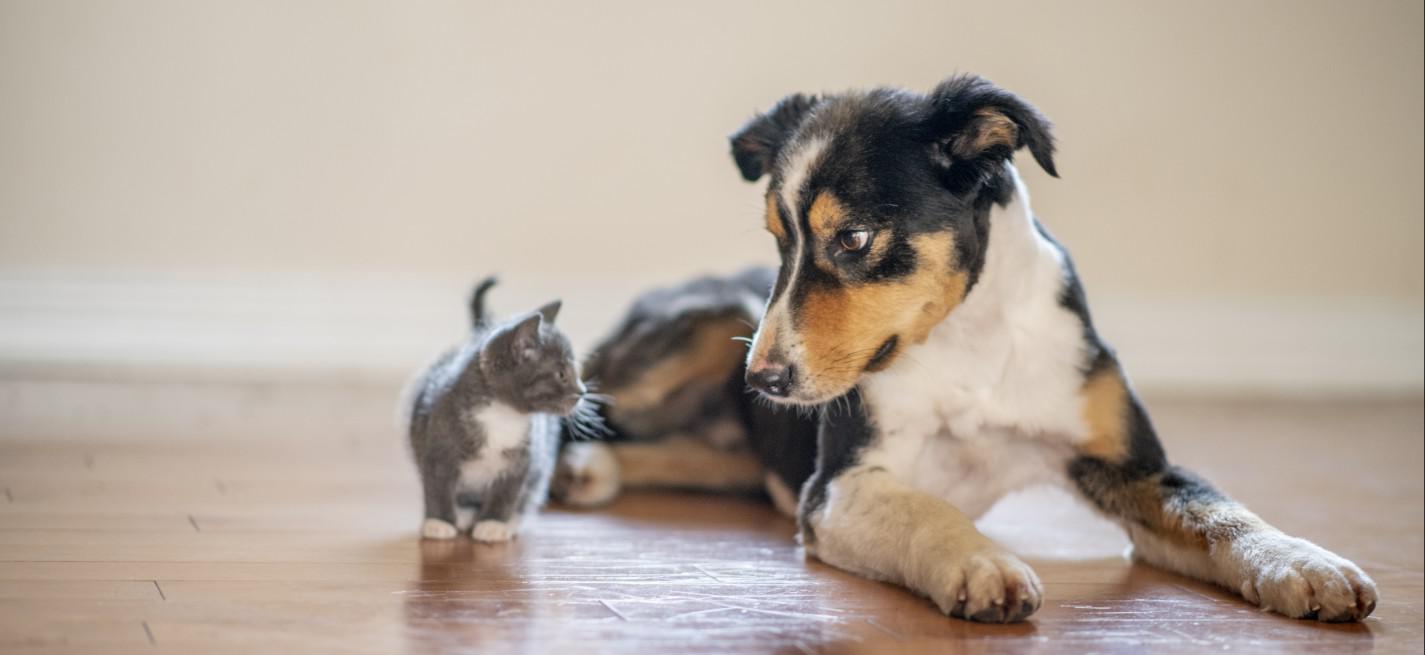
pixel 784 438
pixel 845 429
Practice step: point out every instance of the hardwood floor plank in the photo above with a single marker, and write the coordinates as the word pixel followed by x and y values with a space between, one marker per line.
pixel 23 590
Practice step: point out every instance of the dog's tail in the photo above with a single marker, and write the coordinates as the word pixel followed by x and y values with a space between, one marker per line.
pixel 478 314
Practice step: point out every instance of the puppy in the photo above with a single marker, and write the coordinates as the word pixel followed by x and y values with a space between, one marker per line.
pixel 947 341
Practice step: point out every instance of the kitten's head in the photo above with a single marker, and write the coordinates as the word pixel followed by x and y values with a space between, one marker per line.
pixel 529 364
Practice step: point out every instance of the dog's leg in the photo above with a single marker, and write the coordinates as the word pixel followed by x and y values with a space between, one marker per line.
pixel 859 517
pixel 1179 522
pixel 872 524
pixel 592 473
pixel 688 463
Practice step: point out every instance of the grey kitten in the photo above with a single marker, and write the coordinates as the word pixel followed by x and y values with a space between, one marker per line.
pixel 485 422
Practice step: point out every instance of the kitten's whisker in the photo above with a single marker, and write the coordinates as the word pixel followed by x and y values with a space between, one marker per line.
pixel 599 398
pixel 586 423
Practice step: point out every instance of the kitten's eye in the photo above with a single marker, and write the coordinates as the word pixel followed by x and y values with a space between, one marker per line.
pixel 854 240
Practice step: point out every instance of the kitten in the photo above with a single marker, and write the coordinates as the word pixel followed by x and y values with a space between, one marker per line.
pixel 485 422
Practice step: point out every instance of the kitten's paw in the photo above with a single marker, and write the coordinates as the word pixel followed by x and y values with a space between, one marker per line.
pixel 490 531
pixel 1302 580
pixel 438 529
pixel 989 586
pixel 587 475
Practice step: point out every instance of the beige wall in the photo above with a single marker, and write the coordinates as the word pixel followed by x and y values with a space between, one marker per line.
pixel 1242 150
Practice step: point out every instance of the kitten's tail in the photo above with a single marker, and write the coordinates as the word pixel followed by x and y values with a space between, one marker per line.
pixel 478 314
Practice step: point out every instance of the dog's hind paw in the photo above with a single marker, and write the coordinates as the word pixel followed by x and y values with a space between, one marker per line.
pixel 587 475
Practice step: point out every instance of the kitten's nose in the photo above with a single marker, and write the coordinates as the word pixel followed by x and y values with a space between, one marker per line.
pixel 583 389
pixel 771 379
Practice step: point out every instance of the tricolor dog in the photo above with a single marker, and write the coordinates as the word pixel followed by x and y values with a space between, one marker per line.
pixel 944 342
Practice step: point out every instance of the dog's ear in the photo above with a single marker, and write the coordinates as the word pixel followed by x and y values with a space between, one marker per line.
pixel 976 121
pixel 755 146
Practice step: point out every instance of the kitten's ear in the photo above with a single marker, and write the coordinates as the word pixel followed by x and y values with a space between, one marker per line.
pixel 550 311
pixel 526 332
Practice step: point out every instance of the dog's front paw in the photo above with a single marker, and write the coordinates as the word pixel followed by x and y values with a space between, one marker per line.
pixel 989 586
pixel 1302 580
pixel 491 532
pixel 438 529
pixel 587 475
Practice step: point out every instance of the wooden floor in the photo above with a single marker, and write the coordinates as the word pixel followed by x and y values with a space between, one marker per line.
pixel 164 518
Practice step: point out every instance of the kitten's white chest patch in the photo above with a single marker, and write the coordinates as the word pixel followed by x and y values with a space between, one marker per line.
pixel 504 428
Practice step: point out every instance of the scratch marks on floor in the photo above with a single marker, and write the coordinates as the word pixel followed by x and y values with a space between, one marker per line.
pixel 610 608
pixel 1195 592
pixel 705 572
pixel 898 636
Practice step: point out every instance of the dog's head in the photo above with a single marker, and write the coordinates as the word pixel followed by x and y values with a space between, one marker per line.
pixel 879 202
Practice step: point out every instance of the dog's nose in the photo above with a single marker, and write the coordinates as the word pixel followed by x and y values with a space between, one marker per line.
pixel 771 379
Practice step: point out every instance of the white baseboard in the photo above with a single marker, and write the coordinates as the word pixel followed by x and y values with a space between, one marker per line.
pixel 380 329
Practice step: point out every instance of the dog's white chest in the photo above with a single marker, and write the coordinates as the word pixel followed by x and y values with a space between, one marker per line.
pixel 990 402
pixel 973 473
pixel 957 449
pixel 504 428
pixel 956 445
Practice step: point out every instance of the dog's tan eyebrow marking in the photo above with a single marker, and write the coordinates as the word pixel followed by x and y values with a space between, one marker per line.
pixel 774 218
pixel 825 215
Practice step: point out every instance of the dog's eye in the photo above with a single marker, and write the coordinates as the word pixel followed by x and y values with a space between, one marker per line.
pixel 854 240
